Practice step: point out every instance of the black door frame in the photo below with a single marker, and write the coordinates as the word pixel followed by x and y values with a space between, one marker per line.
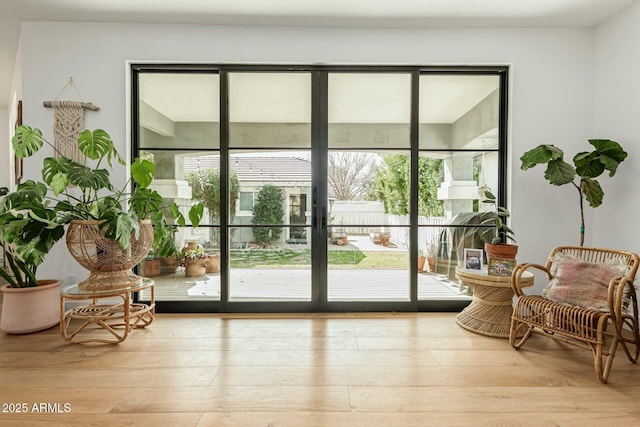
pixel 319 192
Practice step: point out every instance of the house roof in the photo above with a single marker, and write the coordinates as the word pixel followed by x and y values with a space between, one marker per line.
pixel 260 169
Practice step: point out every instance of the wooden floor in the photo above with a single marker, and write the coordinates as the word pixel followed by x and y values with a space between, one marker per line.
pixel 309 370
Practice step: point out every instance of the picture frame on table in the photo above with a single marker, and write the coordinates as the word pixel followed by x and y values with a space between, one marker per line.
pixel 473 259
pixel 500 266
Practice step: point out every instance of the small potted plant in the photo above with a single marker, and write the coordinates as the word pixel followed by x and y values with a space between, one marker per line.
pixel 432 255
pixel 151 265
pixel 496 236
pixel 194 259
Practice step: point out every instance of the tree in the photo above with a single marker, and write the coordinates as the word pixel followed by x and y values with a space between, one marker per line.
pixel 430 176
pixel 205 187
pixel 351 174
pixel 268 209
pixel 587 166
pixel 393 183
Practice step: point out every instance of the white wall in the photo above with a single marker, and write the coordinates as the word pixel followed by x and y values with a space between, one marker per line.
pixel 551 87
pixel 617 116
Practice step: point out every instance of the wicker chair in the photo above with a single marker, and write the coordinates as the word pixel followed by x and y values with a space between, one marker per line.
pixel 599 330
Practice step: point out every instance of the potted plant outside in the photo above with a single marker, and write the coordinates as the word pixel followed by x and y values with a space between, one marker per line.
pixel 194 259
pixel 587 166
pixel 27 234
pixel 110 227
pixel 432 256
pixel 496 236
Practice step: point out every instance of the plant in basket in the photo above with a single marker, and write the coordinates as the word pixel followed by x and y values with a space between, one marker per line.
pixel 110 230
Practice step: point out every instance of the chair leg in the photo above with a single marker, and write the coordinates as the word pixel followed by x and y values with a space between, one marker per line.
pixel 602 371
pixel 635 341
pixel 515 331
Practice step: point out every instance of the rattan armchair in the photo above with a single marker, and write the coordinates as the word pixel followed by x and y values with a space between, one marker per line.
pixel 601 330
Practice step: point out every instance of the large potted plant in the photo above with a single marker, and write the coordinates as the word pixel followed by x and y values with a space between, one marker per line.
pixel 28 231
pixel 496 237
pixel 110 230
pixel 587 166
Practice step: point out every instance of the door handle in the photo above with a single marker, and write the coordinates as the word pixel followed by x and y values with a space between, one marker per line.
pixel 324 217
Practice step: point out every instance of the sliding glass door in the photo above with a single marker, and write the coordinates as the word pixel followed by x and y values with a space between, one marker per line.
pixel 369 118
pixel 269 156
pixel 326 188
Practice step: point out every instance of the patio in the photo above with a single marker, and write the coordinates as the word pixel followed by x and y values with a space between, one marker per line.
pixel 361 281
pixel 294 285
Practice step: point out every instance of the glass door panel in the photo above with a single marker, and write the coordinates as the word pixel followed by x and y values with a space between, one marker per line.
pixel 270 110
pixel 459 111
pixel 179 110
pixel 270 237
pixel 270 162
pixel 368 245
pixel 369 110
pixel 458 160
pixel 179 131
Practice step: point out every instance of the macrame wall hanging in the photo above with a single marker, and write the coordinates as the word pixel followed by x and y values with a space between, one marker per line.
pixel 68 123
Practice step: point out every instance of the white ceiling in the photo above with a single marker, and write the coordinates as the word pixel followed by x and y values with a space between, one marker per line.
pixel 360 13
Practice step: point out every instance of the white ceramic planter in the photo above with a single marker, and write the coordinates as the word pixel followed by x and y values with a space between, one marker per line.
pixel 26 310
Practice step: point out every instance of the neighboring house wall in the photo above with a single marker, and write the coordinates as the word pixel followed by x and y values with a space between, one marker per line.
pixel 242 236
pixel 551 88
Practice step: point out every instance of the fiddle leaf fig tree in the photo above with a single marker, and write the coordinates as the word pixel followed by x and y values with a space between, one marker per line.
pixel 587 166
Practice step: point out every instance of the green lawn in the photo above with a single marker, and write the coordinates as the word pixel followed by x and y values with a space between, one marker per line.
pixel 288 258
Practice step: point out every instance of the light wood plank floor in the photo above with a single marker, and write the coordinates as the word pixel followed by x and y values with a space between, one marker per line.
pixel 417 369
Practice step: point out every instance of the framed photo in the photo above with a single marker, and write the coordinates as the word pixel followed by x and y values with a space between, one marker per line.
pixel 500 266
pixel 473 259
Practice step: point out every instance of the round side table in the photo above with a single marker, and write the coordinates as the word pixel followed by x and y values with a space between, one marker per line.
pixel 492 305
pixel 118 317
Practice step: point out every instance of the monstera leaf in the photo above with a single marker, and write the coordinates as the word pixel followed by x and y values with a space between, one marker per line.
pixel 26 141
pixel 97 145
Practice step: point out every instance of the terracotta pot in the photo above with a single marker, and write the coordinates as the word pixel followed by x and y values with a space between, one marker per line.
pixel 169 265
pixel 213 263
pixel 500 251
pixel 432 264
pixel 26 310
pixel 421 262
pixel 151 267
pixel 195 268
pixel 191 245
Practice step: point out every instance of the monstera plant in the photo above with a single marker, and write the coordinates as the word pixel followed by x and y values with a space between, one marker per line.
pixel 587 166
pixel 108 229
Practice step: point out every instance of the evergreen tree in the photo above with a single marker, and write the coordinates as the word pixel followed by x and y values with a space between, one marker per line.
pixel 268 209
pixel 393 184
